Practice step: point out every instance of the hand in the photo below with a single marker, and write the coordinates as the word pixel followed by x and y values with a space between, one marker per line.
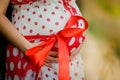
pixel 51 58
pixel 75 52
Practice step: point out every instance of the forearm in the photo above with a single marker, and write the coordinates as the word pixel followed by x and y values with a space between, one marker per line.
pixel 12 35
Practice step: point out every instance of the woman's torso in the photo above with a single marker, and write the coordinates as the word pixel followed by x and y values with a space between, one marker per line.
pixel 40 16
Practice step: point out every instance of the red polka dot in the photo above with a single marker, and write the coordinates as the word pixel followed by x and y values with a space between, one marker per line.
pixel 83 78
pixel 18 17
pixel 65 11
pixel 36 6
pixel 17 28
pixel 56 7
pixel 36 23
pixel 39 78
pixel 54 79
pixel 48 19
pixel 19 6
pixel 53 13
pixel 55 73
pixel 48 69
pixel 56 23
pixel 47 75
pixel 38 34
pixel 40 16
pixel 23 16
pixel 61 17
pixel 24 27
pixel 76 74
pixel 51 31
pixel 34 12
pixel 77 62
pixel 29 19
pixel 14 22
pixel 31 3
pixel 31 31
pixel 32 75
pixel 45 1
pixel 59 2
pixel 27 9
pixel 13 15
pixel 16 11
pixel 43 26
pixel 45 9
pixel 80 24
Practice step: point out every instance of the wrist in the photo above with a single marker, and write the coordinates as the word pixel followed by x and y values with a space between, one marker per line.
pixel 27 46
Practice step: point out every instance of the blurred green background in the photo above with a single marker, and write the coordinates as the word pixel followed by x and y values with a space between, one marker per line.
pixel 101 50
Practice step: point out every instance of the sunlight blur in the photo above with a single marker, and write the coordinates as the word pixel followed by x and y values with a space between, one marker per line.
pixel 101 50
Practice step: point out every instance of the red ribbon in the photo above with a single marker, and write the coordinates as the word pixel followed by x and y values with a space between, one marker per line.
pixel 23 1
pixel 68 7
pixel 38 54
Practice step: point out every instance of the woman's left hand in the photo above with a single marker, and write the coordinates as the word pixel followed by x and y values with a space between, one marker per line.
pixel 75 52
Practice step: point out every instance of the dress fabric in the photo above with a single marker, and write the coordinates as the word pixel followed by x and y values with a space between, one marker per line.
pixel 41 17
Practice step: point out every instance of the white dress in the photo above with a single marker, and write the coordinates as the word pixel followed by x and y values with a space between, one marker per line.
pixel 35 18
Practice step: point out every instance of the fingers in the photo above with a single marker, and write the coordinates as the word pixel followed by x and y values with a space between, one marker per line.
pixel 51 58
pixel 53 54
pixel 75 52
pixel 47 64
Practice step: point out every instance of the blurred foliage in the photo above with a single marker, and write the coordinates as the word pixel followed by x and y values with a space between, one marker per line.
pixel 110 6
pixel 104 20
pixel 101 53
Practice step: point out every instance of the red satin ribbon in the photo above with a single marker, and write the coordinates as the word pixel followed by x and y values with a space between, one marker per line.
pixel 68 7
pixel 38 54
pixel 23 1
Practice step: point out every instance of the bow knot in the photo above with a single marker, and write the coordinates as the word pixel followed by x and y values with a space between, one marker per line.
pixel 38 54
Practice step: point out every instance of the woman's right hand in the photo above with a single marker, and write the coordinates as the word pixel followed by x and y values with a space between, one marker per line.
pixel 13 36
pixel 51 58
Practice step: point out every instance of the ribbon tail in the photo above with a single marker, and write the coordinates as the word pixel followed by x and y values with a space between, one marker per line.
pixel 43 56
pixel 38 54
pixel 45 52
pixel 33 53
pixel 38 68
pixel 64 73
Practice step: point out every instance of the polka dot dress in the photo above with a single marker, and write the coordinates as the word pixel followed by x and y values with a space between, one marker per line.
pixel 41 17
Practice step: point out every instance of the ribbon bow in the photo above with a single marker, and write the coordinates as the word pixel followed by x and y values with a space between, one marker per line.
pixel 38 54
